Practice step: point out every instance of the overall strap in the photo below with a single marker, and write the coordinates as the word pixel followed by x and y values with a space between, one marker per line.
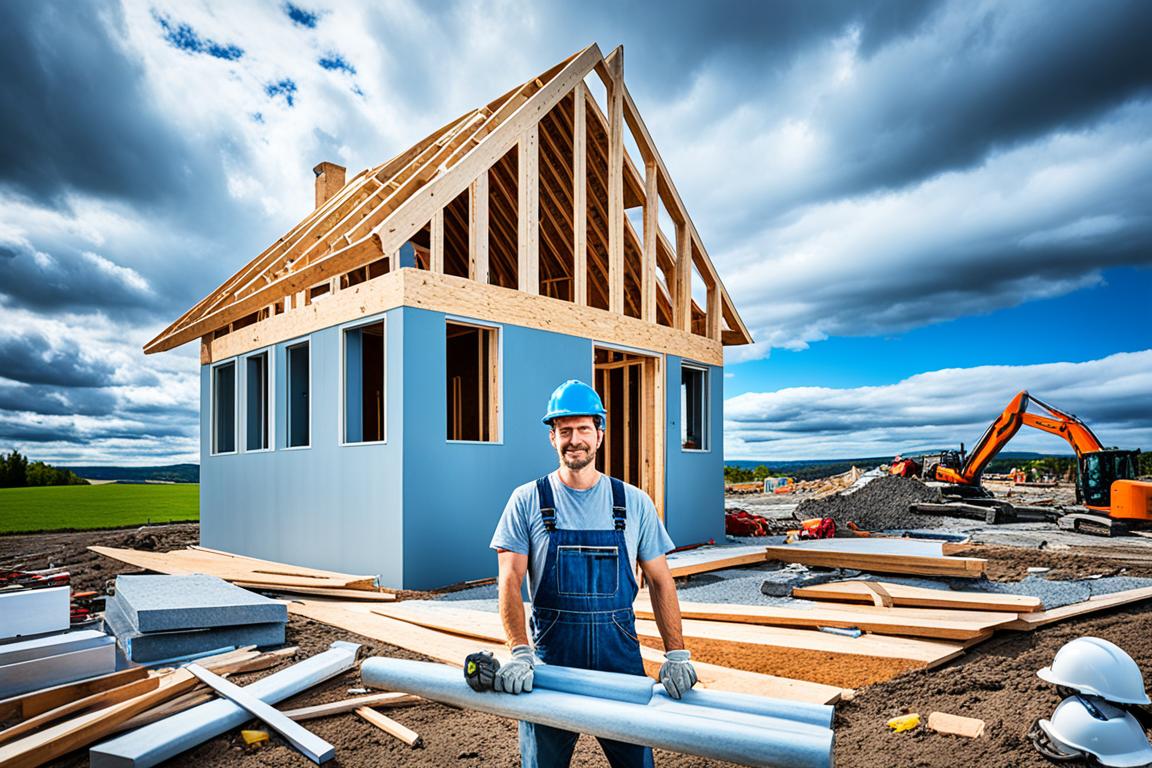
pixel 619 511
pixel 547 503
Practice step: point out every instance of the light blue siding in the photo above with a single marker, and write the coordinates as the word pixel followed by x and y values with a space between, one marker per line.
pixel 694 480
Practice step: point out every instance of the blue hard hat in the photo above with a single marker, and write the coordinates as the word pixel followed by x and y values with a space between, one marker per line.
pixel 575 398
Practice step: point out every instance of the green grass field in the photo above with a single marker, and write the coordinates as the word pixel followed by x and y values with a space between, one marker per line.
pixel 81 507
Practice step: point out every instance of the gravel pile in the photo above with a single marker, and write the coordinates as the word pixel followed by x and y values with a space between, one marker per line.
pixel 878 506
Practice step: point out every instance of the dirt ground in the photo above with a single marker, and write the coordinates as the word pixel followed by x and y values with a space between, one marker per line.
pixel 994 681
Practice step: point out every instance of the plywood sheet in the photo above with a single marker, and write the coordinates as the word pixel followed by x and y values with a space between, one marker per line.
pixel 713 559
pixel 1030 621
pixel 236 568
pixel 957 567
pixel 920 597
pixel 913 622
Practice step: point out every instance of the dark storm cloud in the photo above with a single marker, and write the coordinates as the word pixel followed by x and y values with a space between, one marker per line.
pixel 54 401
pixel 76 114
pixel 32 359
pixel 14 433
pixel 68 281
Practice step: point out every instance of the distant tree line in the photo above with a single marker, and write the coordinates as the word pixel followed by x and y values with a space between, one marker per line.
pixel 17 472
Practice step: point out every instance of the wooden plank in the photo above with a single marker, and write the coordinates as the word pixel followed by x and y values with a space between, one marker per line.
pixel 528 210
pixel 942 722
pixel 350 705
pixel 682 285
pixel 1030 621
pixel 235 567
pixel 485 625
pixel 912 622
pixel 919 597
pixel 94 701
pixel 62 738
pixel 580 194
pixel 478 229
pixel 960 567
pixel 436 259
pixel 651 228
pixel 333 593
pixel 391 727
pixel 714 559
pixel 38 702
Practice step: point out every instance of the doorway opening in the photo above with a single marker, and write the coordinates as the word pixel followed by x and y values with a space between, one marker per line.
pixel 629 385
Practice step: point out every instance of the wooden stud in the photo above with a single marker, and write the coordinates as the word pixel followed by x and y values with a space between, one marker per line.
pixel 616 184
pixel 714 318
pixel 682 291
pixel 493 338
pixel 580 194
pixel 391 727
pixel 390 699
pixel 436 262
pixel 478 229
pixel 528 209
pixel 651 227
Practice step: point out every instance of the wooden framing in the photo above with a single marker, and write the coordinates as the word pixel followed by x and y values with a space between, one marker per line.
pixel 566 205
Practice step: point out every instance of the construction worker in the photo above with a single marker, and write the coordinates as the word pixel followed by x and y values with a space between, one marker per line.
pixel 578 534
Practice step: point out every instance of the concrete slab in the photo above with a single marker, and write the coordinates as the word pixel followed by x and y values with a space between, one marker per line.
pixel 163 603
pixel 145 647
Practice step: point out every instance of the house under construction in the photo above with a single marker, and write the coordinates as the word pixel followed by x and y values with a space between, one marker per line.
pixel 372 383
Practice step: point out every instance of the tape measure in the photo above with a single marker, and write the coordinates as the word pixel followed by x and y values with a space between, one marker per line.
pixel 480 670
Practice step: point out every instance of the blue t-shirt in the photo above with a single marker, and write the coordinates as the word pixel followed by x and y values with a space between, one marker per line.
pixel 521 528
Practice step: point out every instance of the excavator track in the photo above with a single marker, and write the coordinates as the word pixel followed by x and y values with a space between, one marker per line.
pixel 1094 525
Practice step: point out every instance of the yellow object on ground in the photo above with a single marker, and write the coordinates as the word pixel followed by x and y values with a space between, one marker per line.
pixel 904 723
pixel 252 738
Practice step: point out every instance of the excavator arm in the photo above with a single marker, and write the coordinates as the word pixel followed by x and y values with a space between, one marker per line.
pixel 1005 427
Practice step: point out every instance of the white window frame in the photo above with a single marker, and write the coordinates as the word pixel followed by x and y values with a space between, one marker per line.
pixel 340 432
pixel 304 341
pixel 454 320
pixel 212 441
pixel 269 400
pixel 706 404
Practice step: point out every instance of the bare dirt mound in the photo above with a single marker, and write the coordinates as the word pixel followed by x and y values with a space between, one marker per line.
pixel 880 505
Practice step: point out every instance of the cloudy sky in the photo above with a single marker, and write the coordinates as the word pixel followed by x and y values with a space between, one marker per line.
pixel 920 208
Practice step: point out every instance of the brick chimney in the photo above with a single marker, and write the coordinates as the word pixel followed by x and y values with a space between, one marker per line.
pixel 329 181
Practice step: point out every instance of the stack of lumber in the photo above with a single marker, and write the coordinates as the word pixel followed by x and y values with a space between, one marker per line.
pixel 251 573
pixel 155 618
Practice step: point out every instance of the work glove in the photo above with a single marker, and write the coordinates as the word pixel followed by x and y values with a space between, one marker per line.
pixel 677 675
pixel 516 675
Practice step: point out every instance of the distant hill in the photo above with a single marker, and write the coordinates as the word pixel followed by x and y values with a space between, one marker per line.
pixel 171 473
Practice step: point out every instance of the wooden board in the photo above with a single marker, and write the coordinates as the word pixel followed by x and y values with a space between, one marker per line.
pixel 920 597
pixel 37 702
pixel 94 701
pixel 334 593
pixel 957 567
pixel 913 622
pixel 262 573
pixel 486 625
pixel 1030 621
pixel 942 722
pixel 714 559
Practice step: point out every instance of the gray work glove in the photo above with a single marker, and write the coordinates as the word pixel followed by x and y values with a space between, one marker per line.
pixel 516 675
pixel 677 675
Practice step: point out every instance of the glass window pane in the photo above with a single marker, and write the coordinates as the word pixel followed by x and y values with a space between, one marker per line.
pixel 256 426
pixel 224 408
pixel 298 396
pixel 693 409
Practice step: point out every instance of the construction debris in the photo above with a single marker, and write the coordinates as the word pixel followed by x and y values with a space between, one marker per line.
pixel 391 727
pixel 879 505
pixel 970 727
pixel 33 611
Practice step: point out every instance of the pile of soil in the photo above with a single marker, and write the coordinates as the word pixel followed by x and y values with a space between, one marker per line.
pixel 1012 563
pixel 880 505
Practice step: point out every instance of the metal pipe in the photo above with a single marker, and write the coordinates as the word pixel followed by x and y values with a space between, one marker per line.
pixel 641 690
pixel 155 743
pixel 760 741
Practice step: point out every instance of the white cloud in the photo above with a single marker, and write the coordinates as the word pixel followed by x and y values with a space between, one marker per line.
pixel 940 409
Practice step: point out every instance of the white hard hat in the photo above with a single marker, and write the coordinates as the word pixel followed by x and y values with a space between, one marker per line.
pixel 1086 725
pixel 1098 668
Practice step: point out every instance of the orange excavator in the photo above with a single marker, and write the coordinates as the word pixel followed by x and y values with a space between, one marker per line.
pixel 1106 483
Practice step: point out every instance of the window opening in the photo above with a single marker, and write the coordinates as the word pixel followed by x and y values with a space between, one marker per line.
pixel 298 382
pixel 472 383
pixel 224 408
pixel 693 409
pixel 364 383
pixel 256 428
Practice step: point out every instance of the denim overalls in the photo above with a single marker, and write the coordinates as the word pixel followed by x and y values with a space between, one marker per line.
pixel 582 617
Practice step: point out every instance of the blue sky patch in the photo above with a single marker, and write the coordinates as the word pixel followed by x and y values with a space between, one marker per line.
pixel 334 62
pixel 285 88
pixel 185 38
pixel 301 17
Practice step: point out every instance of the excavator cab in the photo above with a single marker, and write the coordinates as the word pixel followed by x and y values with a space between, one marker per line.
pixel 1097 470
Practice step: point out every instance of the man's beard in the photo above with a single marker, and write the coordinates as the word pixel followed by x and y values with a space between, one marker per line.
pixel 576 464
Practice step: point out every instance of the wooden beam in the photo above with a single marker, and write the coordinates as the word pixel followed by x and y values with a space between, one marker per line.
pixel 580 195
pixel 92 702
pixel 436 263
pixel 35 703
pixel 959 567
pixel 714 318
pixel 1030 621
pixel 651 227
pixel 682 290
pixel 528 209
pixel 616 183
